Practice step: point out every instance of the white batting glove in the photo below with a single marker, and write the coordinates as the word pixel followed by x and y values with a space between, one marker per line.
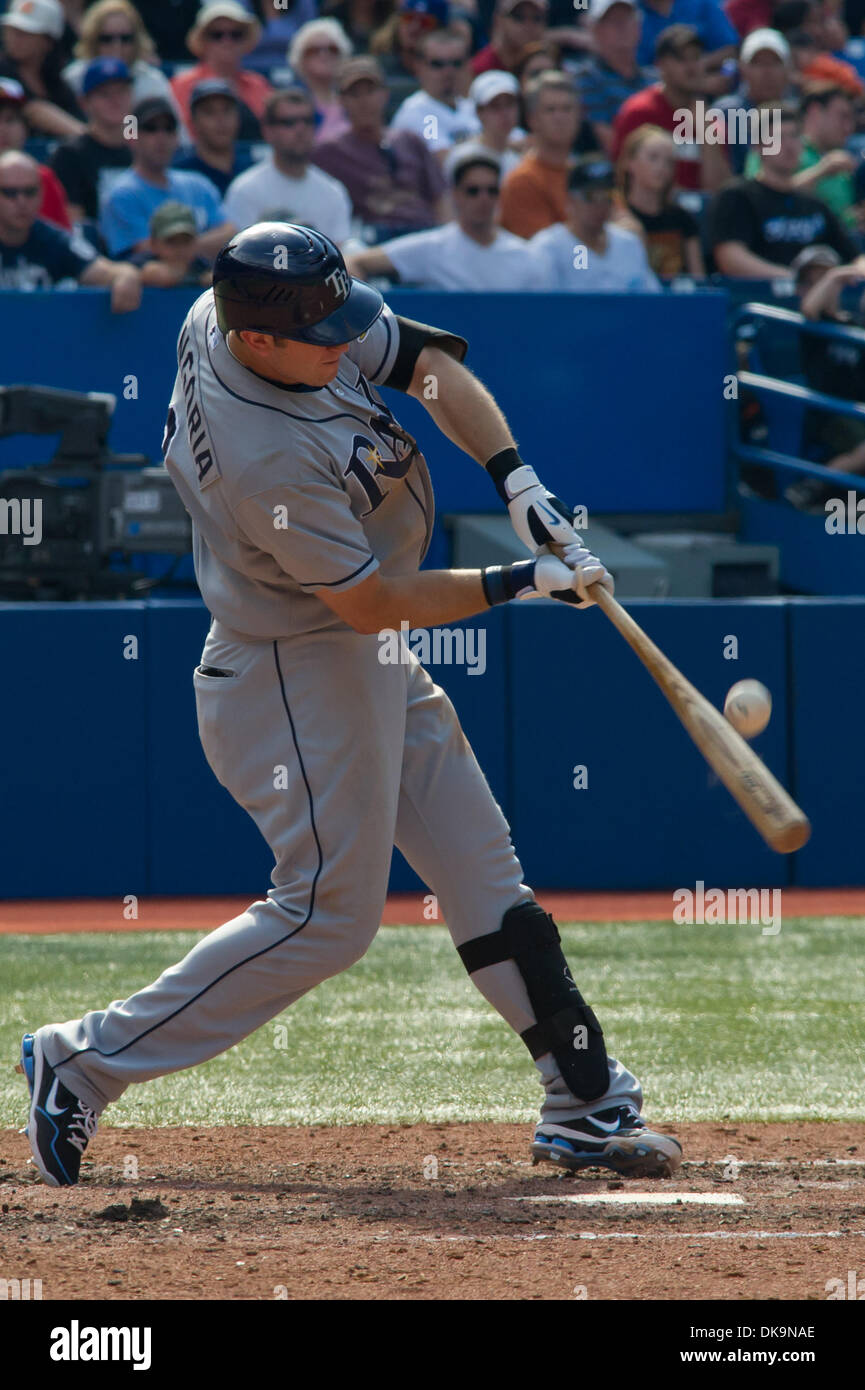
pixel 588 568
pixel 537 515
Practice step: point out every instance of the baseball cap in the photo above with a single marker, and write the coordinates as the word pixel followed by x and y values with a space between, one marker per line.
pixel 103 70
pixel 591 171
pixel 437 10
pixel 598 8
pixel 151 107
pixel 763 41
pixel 172 218
pixel 469 152
pixel 36 17
pixel 674 38
pixel 489 85
pixel 811 256
pixel 211 87
pixel 11 92
pixel 361 69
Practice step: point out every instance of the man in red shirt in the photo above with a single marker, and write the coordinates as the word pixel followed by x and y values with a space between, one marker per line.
pixel 13 136
pixel 678 58
pixel 515 23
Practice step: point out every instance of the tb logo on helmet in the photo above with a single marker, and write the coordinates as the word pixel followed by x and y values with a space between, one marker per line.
pixel 339 282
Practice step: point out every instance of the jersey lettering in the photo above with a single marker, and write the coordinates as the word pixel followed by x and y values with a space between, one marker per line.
pixel 199 440
pixel 391 457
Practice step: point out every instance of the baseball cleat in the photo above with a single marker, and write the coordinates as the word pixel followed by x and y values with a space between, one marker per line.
pixel 616 1138
pixel 59 1126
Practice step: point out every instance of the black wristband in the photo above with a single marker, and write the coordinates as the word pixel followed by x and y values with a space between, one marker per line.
pixel 501 583
pixel 499 466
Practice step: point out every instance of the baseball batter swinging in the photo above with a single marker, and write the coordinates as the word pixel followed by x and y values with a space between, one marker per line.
pixel 312 510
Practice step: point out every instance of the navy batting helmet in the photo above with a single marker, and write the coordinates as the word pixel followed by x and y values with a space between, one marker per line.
pixel 291 281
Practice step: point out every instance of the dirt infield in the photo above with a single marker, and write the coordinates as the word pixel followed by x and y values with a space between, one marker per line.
pixel 435 1212
pixel 43 916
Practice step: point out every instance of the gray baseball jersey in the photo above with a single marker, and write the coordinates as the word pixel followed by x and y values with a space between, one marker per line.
pixel 335 755
pixel 291 490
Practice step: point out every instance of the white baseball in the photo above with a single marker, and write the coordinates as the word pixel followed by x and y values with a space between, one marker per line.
pixel 748 707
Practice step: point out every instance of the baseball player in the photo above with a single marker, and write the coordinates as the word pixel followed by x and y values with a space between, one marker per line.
pixel 312 509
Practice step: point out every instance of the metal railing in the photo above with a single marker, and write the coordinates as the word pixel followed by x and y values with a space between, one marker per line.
pixel 803 395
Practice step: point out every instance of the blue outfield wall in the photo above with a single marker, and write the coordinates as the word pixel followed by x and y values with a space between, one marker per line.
pixel 107 791
pixel 827 678
pixel 618 399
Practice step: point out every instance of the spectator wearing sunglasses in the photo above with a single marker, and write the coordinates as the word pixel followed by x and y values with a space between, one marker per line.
pixel 472 252
pixel 13 136
pixel 516 23
pixel 222 35
pixel 88 165
pixel 397 43
pixel 440 112
pixel 31 54
pixel 315 56
pixel 214 114
pixel 35 255
pixel 394 180
pixel 137 193
pixel 286 186
pixel 114 29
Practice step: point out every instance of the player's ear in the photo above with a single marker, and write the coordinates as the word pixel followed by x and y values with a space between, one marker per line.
pixel 259 342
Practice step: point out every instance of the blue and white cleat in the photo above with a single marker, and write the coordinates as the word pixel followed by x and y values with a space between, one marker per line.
pixel 616 1138
pixel 59 1126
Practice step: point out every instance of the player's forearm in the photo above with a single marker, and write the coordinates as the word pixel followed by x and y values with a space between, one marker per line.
pixel 460 405
pixel 427 599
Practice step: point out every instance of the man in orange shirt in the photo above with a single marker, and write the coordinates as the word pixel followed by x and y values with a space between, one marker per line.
pixel 534 194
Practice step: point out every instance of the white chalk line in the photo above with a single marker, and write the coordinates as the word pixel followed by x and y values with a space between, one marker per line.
pixel 642 1199
pixel 611 1235
pixel 774 1162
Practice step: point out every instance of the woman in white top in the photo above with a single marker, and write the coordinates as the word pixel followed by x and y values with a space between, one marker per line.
pixel 315 55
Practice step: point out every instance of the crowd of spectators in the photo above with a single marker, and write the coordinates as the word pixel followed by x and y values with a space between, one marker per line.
pixel 483 144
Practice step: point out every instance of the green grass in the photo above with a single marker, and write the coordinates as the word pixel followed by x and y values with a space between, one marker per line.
pixel 718 1022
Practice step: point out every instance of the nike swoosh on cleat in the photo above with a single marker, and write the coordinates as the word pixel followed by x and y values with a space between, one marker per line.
pixel 604 1124
pixel 50 1108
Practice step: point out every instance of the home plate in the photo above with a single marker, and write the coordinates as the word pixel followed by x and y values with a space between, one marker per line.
pixel 644 1199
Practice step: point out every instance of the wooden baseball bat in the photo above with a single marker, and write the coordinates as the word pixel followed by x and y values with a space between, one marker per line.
pixel 769 808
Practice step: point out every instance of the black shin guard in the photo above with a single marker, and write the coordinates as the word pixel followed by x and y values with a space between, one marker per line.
pixel 566 1026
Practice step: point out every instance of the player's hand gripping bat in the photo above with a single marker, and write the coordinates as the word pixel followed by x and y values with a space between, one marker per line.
pixel 767 805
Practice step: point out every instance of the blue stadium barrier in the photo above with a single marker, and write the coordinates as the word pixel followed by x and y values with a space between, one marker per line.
pixel 813 559
pixel 827 674
pixel 618 396
pixel 108 792
pixel 653 815
pixel 76 803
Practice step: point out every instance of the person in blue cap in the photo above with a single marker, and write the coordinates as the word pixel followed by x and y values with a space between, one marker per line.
pixel 88 164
